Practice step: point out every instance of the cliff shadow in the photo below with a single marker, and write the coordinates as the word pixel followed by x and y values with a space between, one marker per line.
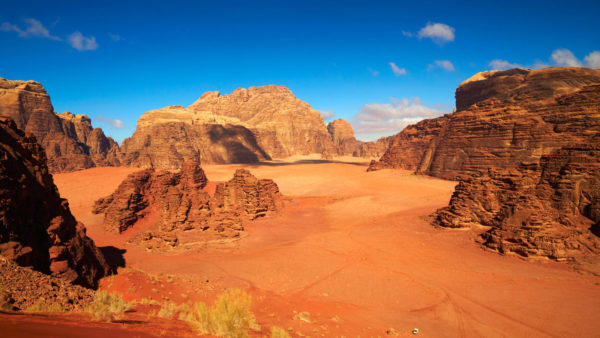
pixel 114 257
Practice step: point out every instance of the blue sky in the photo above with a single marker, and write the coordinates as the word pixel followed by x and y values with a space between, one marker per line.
pixel 114 61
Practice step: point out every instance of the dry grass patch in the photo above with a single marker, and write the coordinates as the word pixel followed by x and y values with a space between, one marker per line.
pixel 107 306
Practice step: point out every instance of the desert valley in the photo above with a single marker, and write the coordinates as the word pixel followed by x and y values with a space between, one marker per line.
pixel 246 214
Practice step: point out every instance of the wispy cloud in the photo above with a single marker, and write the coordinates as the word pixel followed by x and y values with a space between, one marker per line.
pixel 327 114
pixel 391 117
pixel 373 71
pixel 397 70
pixel 115 37
pixel 438 32
pixel 503 64
pixel 81 43
pixel 444 64
pixel 33 28
pixel 559 58
pixel 407 33
pixel 116 123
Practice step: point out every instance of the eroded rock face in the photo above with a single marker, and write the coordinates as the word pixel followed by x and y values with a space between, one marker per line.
pixel 283 124
pixel 504 118
pixel 525 145
pixel 37 228
pixel 549 209
pixel 69 141
pixel 182 203
pixel 166 138
pixel 345 144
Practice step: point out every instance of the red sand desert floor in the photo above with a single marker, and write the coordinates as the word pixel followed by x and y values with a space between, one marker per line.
pixel 353 249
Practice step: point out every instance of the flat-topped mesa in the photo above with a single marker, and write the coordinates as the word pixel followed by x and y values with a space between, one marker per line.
pixel 182 204
pixel 37 228
pixel 283 124
pixel 70 141
pixel 503 118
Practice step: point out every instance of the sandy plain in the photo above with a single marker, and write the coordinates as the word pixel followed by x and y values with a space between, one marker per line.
pixel 354 250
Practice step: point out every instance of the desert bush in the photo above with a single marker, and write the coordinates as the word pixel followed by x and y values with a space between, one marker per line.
pixel 43 306
pixel 277 332
pixel 107 306
pixel 168 310
pixel 230 315
pixel 5 300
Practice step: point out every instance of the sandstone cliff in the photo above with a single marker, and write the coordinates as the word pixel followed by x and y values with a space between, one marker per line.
pixel 70 141
pixel 183 205
pixel 37 228
pixel 524 144
pixel 503 118
pixel 166 138
pixel 283 124
pixel 345 144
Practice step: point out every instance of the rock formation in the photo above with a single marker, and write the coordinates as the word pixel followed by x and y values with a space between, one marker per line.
pixel 525 145
pixel 37 228
pixel 166 138
pixel 182 203
pixel 503 118
pixel 345 144
pixel 70 141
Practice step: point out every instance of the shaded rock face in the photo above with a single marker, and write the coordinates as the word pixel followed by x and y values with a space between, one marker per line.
pixel 503 118
pixel 344 143
pixel 283 124
pixel 524 144
pixel 182 203
pixel 168 145
pixel 37 228
pixel 69 141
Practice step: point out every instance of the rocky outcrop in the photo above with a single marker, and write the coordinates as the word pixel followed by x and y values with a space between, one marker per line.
pixel 70 141
pixel 37 228
pixel 345 144
pixel 549 209
pixel 283 124
pixel 503 118
pixel 166 138
pixel 183 204
pixel 524 144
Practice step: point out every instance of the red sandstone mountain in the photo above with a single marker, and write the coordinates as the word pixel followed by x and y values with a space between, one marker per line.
pixel 345 144
pixel 37 228
pixel 70 141
pixel 525 143
pixel 503 118
pixel 184 206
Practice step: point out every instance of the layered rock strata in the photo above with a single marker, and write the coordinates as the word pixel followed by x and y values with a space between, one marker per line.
pixel 525 145
pixel 70 141
pixel 182 203
pixel 37 228
pixel 503 118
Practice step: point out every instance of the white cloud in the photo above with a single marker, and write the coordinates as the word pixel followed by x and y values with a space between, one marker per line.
pixel 408 34
pixel 327 114
pixel 592 60
pixel 115 37
pixel 559 58
pixel 564 57
pixel 498 64
pixel 116 123
pixel 373 72
pixel 81 43
pixel 444 64
pixel 397 70
pixel 33 28
pixel 438 32
pixel 391 117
